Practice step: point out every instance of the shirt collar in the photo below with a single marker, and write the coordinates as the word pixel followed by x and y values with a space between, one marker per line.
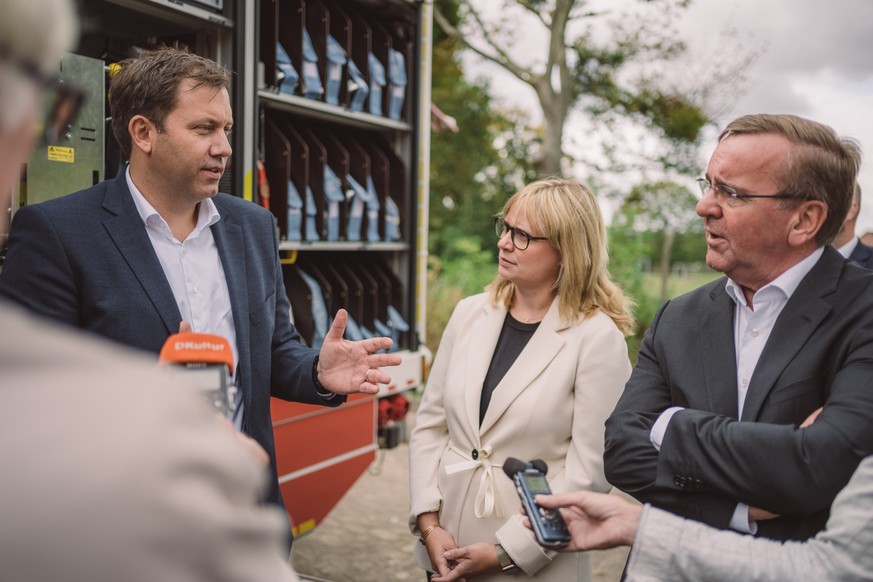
pixel 847 249
pixel 207 212
pixel 787 282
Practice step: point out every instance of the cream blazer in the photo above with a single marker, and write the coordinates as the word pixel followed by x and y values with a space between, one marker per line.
pixel 551 405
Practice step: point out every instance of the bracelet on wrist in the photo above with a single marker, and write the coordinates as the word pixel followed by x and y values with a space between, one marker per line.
pixel 426 531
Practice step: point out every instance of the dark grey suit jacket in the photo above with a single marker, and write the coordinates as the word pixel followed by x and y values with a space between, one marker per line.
pixel 820 353
pixel 86 260
pixel 863 255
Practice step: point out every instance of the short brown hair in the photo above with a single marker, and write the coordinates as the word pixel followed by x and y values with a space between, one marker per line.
pixel 147 85
pixel 821 166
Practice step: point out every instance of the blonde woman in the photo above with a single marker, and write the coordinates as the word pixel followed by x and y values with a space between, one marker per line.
pixel 529 369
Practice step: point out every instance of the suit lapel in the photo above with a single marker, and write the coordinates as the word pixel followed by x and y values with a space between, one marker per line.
pixel 533 359
pixel 128 232
pixel 799 319
pixel 231 250
pixel 718 352
pixel 481 348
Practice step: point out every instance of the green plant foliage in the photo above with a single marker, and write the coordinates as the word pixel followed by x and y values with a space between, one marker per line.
pixel 627 255
pixel 465 269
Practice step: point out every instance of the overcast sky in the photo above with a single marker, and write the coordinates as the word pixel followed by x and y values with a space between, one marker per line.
pixel 817 63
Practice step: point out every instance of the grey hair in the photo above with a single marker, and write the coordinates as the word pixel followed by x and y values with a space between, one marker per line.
pixel 37 32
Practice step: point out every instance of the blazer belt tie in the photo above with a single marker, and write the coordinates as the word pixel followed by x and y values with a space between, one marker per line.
pixel 487 503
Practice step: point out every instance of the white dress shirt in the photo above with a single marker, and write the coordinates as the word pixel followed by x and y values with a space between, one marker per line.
pixel 195 273
pixel 752 326
pixel 847 249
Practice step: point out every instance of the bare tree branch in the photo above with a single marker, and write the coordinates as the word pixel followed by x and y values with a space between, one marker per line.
pixel 536 13
pixel 501 58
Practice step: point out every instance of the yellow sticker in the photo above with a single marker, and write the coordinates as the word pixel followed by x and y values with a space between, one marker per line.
pixel 59 154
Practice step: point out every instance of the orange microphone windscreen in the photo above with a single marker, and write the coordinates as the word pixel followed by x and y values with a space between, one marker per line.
pixel 197 348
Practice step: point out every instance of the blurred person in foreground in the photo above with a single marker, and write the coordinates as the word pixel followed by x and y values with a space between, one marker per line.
pixel 158 249
pixel 111 470
pixel 529 369
pixel 847 242
pixel 668 547
pixel 710 425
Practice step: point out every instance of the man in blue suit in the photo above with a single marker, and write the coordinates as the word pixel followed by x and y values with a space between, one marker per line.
pixel 847 242
pixel 157 250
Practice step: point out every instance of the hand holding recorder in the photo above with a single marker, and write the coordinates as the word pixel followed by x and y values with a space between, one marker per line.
pixel 530 480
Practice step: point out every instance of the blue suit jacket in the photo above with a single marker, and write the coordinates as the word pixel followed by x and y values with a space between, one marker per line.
pixel 863 255
pixel 86 260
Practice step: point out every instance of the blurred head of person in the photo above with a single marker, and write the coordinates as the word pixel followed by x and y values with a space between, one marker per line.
pixel 552 236
pixel 33 37
pixel 847 231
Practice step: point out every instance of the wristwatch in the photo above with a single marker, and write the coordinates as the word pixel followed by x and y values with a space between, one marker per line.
pixel 505 561
pixel 319 389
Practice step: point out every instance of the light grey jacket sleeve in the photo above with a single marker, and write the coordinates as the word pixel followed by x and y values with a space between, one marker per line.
pixel 668 547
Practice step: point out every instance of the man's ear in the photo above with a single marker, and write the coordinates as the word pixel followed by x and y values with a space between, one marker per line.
pixel 142 133
pixel 853 211
pixel 808 220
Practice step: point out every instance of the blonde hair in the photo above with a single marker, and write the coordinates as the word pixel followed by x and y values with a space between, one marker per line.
pixel 567 213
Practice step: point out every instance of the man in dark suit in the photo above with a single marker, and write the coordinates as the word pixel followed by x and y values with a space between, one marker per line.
pixel 847 242
pixel 708 425
pixel 158 250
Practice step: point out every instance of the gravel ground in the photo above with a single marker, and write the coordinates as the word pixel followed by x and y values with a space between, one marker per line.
pixel 365 537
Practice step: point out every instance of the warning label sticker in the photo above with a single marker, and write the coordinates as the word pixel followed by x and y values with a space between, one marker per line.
pixel 60 154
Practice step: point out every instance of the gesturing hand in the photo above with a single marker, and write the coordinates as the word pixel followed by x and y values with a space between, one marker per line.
pixel 347 367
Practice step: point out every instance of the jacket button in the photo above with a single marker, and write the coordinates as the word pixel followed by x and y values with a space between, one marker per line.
pixel 475 454
pixel 680 481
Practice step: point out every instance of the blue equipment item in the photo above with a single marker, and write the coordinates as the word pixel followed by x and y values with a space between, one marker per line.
pixel 333 191
pixel 311 213
pixel 377 82
pixel 312 87
pixel 358 89
pixel 295 212
pixel 353 330
pixel 336 59
pixel 392 220
pixel 397 74
pixel 320 316
pixel 287 76
pixel 394 328
pixel 359 201
pixel 372 212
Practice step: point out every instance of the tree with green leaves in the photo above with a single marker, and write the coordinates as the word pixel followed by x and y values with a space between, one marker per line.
pixel 664 209
pixel 608 64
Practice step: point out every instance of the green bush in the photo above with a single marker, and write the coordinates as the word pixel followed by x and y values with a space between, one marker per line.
pixel 465 271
